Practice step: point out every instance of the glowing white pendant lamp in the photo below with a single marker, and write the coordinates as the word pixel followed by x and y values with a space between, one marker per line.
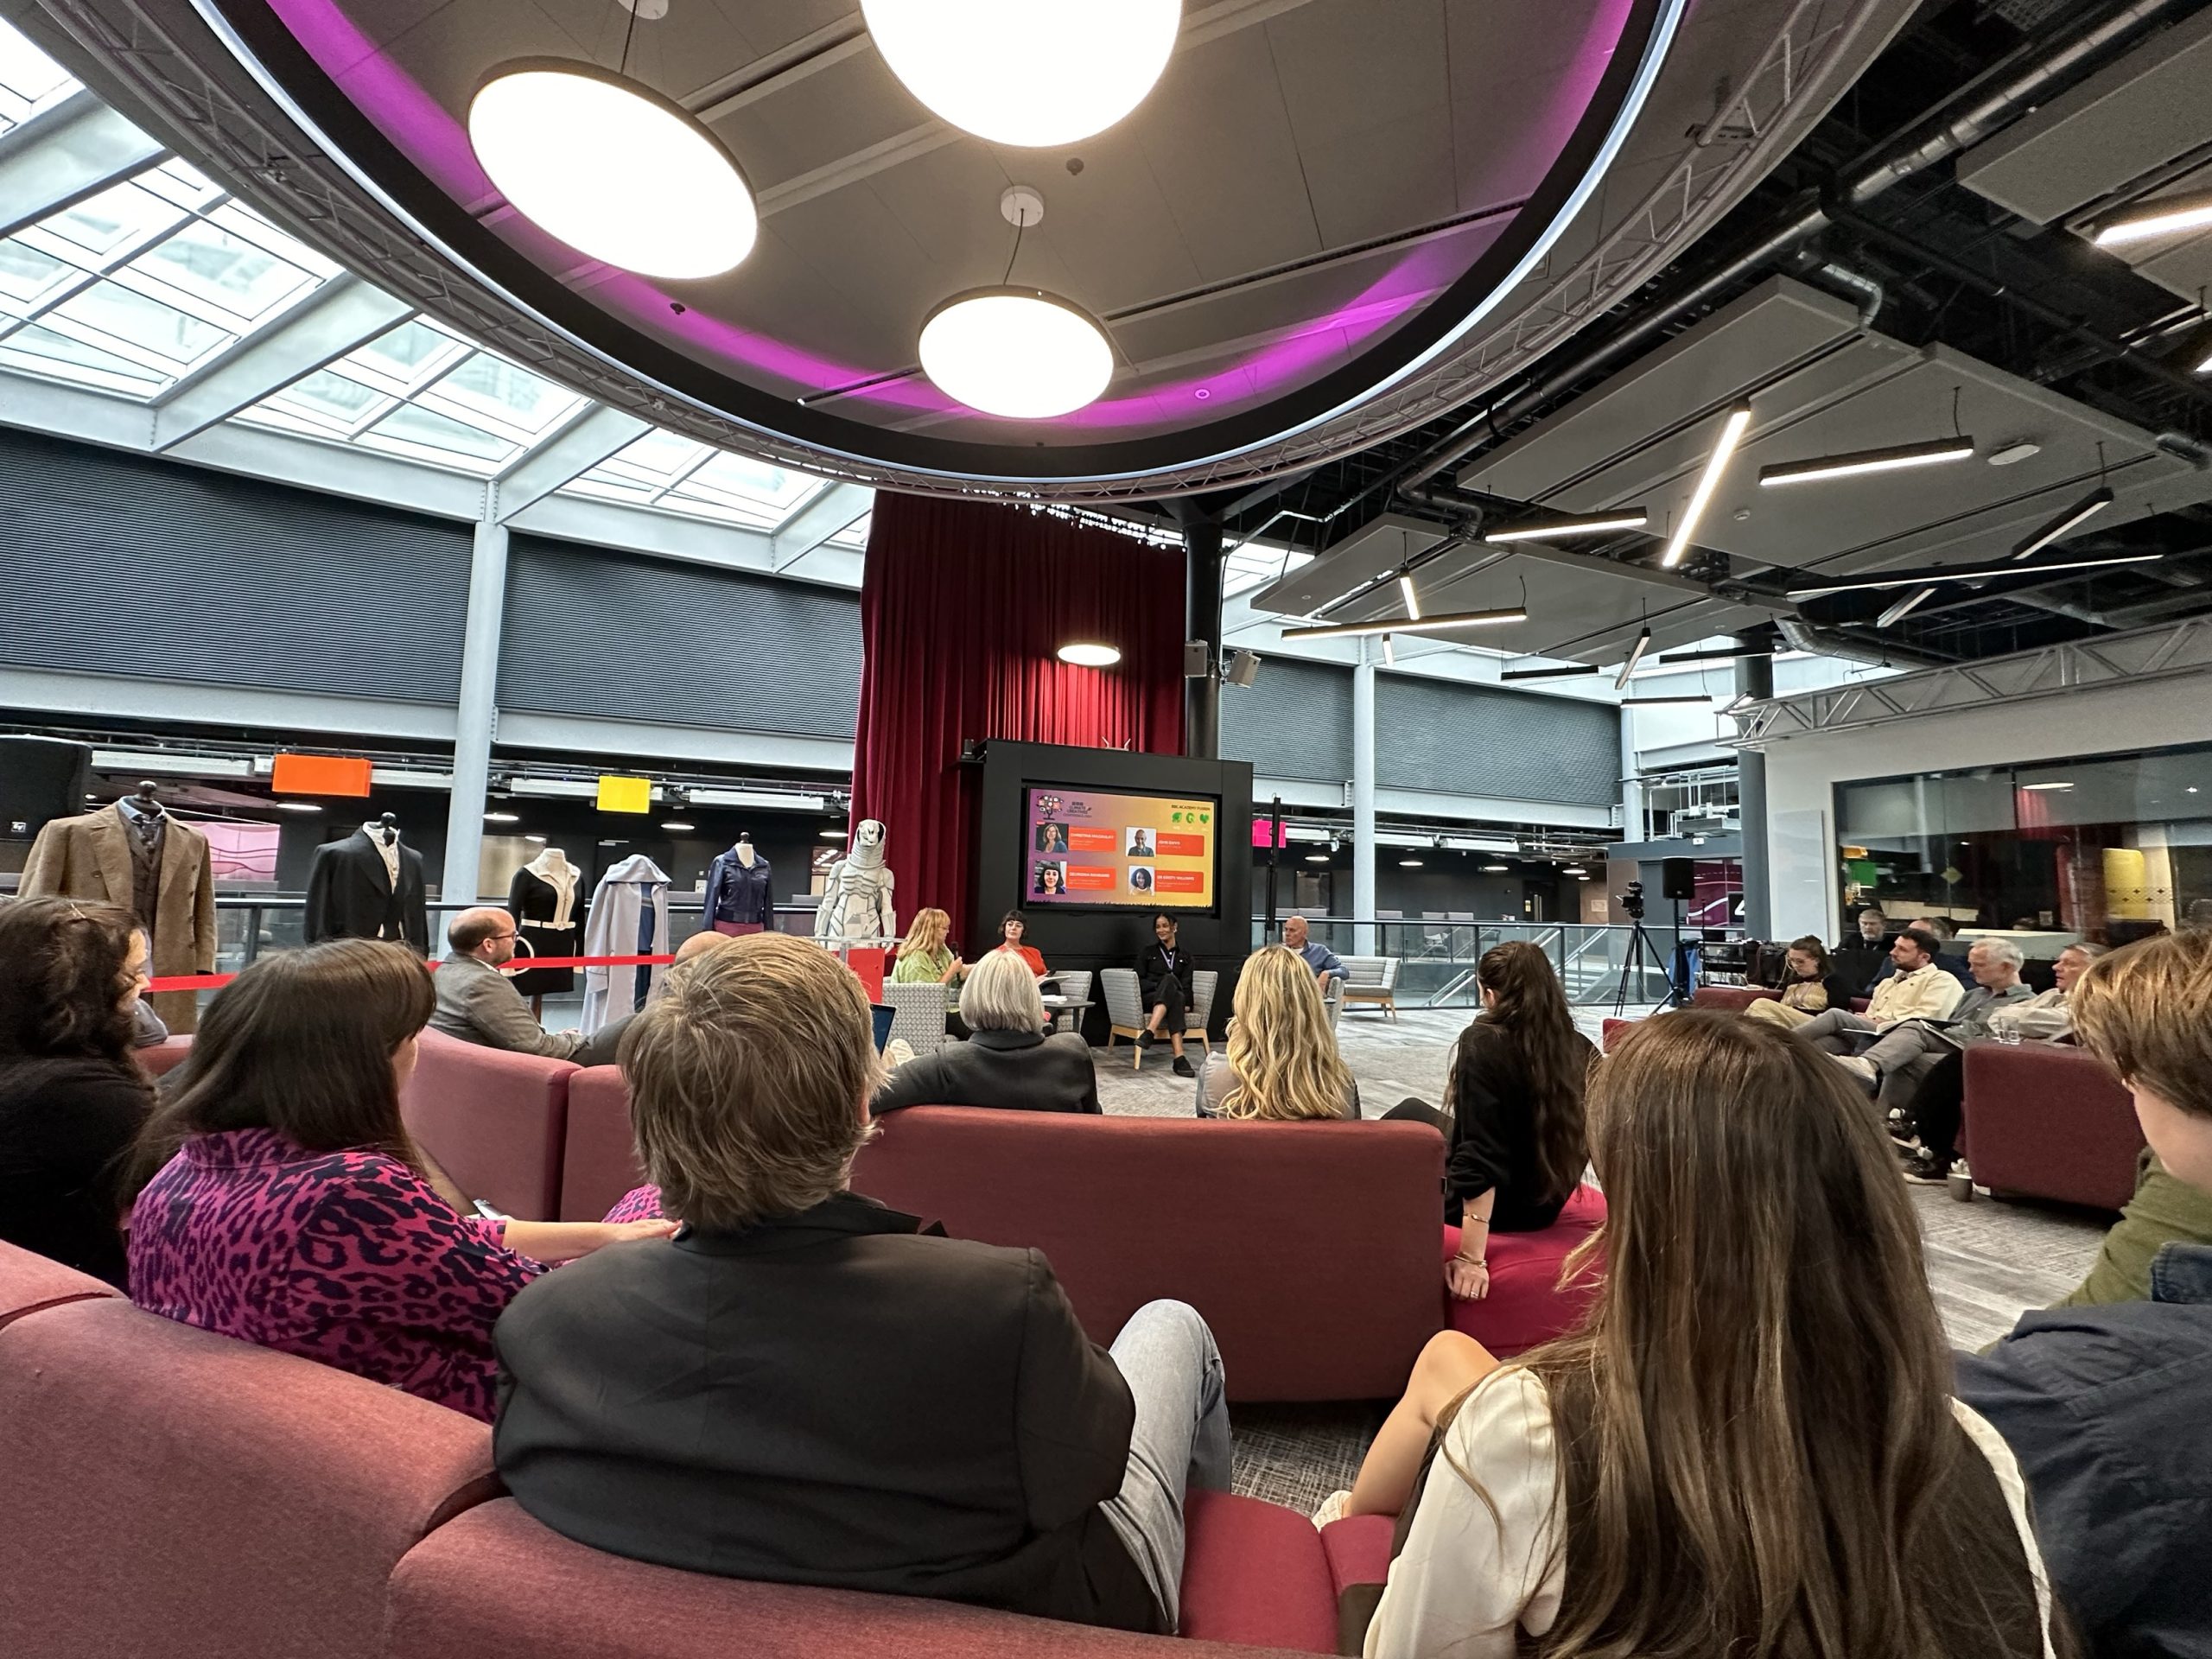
pixel 1017 352
pixel 1027 71
pixel 613 168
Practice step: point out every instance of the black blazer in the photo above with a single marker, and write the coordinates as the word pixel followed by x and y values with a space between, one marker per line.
pixel 1022 1070
pixel 350 897
pixel 1493 1142
pixel 66 1129
pixel 829 1399
pixel 1153 966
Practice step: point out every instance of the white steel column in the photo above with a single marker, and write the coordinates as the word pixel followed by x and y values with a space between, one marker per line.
pixel 1363 800
pixel 476 717
pixel 1632 825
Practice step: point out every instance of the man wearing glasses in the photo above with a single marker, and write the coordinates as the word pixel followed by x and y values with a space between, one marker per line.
pixel 479 1004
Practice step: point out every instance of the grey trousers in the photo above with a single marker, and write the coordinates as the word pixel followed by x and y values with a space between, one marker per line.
pixel 1830 1032
pixel 1180 1439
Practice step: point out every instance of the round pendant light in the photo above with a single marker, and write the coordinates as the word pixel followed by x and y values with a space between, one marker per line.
pixel 1017 352
pixel 613 168
pixel 1027 71
pixel 1086 654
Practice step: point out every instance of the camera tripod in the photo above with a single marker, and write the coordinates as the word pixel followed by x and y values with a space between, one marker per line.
pixel 1639 943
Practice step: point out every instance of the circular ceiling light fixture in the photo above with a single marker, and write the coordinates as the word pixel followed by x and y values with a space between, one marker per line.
pixel 1085 653
pixel 613 168
pixel 1019 353
pixel 1031 73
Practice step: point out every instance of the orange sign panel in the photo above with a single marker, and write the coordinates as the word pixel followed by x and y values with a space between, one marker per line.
pixel 320 774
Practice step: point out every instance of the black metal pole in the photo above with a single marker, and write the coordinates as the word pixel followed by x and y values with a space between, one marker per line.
pixel 1274 855
pixel 1202 696
pixel 1754 678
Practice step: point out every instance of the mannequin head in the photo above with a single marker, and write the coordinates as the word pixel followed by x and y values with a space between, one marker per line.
pixel 868 843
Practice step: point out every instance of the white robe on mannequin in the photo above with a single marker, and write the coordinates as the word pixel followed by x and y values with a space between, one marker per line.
pixel 627 893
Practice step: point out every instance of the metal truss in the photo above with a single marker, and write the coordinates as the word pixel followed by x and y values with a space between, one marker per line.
pixel 157 48
pixel 2175 649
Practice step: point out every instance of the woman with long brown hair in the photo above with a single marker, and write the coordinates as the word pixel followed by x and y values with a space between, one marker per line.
pixel 287 1205
pixel 1515 1100
pixel 1752 1447
pixel 71 1098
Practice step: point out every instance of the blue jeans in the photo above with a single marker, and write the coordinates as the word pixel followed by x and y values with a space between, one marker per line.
pixel 1180 1439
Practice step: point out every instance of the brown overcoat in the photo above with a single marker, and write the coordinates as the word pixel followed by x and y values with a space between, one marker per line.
pixel 86 857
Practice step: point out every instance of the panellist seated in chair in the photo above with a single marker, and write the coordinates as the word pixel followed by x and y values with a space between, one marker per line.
pixel 1007 1061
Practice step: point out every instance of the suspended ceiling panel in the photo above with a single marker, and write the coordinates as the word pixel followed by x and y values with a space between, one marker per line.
pixel 2139 127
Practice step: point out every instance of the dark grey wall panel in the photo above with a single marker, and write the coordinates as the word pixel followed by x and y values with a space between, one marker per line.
pixel 1470 739
pixel 595 632
pixel 1294 721
pixel 119 564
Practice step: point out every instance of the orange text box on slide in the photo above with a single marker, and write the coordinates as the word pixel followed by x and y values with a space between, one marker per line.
pixel 1081 840
pixel 1178 881
pixel 1092 878
pixel 1175 846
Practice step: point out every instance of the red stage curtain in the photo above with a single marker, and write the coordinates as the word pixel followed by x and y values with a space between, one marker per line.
pixel 963 605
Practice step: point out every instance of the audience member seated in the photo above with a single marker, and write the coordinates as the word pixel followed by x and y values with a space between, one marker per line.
pixel 604 1047
pixel 71 1099
pixel 1894 1063
pixel 802 1387
pixel 1744 1450
pixel 1007 1061
pixel 1943 930
pixel 1013 927
pixel 1514 1098
pixel 2164 1211
pixel 478 1003
pixel 1932 1105
pixel 1919 990
pixel 1811 986
pixel 1163 976
pixel 1281 1062
pixel 1864 951
pixel 295 1211
pixel 1325 963
pixel 2109 1409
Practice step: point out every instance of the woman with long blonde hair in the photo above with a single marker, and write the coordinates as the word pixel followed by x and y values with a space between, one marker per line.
pixel 924 959
pixel 1282 1062
pixel 1752 1447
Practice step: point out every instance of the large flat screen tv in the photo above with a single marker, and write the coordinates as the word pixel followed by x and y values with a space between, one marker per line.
pixel 1092 849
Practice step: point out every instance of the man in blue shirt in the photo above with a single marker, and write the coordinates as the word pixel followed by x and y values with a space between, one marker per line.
pixel 2109 1409
pixel 1323 961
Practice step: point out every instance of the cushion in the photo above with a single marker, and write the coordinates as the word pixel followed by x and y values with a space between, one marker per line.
pixel 494 1580
pixel 29 1281
pixel 158 1058
pixel 1256 1572
pixel 167 1491
pixel 1129 1210
pixel 496 1121
pixel 1527 1304
pixel 1358 1549
pixel 599 1160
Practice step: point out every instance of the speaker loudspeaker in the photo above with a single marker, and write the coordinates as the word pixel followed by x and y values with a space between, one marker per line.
pixel 1197 659
pixel 1243 668
pixel 41 779
pixel 1678 878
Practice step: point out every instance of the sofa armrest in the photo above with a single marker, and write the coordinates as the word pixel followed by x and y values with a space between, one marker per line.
pixel 2049 1122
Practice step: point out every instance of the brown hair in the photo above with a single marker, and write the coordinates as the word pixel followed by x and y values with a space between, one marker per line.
pixel 1923 941
pixel 301 1042
pixel 465 934
pixel 1530 1014
pixel 1758 1452
pixel 1815 947
pixel 2145 1010
pixel 61 980
pixel 747 1078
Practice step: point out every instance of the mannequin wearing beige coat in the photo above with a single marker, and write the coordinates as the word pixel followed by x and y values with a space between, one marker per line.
pixel 87 857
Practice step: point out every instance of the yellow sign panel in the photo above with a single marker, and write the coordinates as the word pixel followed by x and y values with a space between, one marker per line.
pixel 625 794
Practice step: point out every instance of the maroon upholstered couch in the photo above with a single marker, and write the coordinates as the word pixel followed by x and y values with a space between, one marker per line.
pixel 2046 1121
pixel 1737 998
pixel 497 1121
pixel 599 1158
pixel 165 1491
pixel 158 1060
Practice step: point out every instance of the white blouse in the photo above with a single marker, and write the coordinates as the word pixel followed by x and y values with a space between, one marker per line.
pixel 1465 1580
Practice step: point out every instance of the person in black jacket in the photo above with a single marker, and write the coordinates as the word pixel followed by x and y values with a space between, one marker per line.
pixel 1164 976
pixel 71 1098
pixel 1518 1142
pixel 1008 1061
pixel 802 1386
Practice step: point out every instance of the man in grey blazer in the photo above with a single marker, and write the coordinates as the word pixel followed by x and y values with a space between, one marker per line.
pixel 479 1004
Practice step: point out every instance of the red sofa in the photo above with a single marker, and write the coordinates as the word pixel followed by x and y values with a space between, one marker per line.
pixel 497 1121
pixel 598 1158
pixel 166 1491
pixel 2047 1121
pixel 1526 1305
pixel 1736 998
pixel 157 1060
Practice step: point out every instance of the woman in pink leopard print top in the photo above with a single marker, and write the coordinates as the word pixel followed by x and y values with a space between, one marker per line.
pixel 296 1213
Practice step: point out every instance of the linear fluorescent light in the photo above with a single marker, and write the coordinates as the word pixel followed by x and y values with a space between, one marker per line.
pixel 1889 459
pixel 759 797
pixel 1727 653
pixel 1634 655
pixel 1389 652
pixel 1479 844
pixel 1547 673
pixel 1442 623
pixel 1413 600
pixel 1598 525
pixel 1731 434
pixel 2046 785
pixel 2170 217
pixel 1904 607
pixel 1967 573
pixel 1627 702
pixel 2067 522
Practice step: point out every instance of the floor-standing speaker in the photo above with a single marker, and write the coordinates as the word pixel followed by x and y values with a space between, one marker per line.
pixel 1678 878
pixel 41 779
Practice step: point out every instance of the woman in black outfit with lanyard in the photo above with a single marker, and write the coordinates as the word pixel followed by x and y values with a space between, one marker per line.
pixel 1164 974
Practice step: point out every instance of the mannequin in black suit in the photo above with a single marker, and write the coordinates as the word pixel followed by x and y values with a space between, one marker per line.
pixel 352 891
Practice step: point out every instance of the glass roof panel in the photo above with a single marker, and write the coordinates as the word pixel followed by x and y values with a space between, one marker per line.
pixel 41 351
pixel 405 357
pixel 223 272
pixel 114 317
pixel 103 224
pixel 178 181
pixel 659 458
pixel 30 82
pixel 424 435
pixel 1253 566
pixel 333 404
pixel 28 277
pixel 854 535
pixel 509 396
pixel 739 482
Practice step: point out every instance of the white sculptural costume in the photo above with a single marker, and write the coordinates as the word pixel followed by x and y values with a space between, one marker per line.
pixel 856 906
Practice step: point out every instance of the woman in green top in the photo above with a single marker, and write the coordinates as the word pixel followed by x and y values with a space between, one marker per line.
pixel 924 959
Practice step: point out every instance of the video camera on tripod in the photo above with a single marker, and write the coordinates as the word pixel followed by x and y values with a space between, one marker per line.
pixel 1631 900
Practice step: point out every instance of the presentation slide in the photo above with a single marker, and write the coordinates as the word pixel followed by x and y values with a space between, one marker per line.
pixel 1090 847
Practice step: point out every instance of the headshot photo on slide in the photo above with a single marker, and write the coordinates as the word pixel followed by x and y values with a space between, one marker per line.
pixel 1051 837
pixel 1140 878
pixel 1050 879
pixel 1141 843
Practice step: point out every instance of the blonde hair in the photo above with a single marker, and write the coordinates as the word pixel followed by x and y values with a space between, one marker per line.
pixel 1001 995
pixel 1280 1045
pixel 926 933
pixel 2145 1010
pixel 747 1078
